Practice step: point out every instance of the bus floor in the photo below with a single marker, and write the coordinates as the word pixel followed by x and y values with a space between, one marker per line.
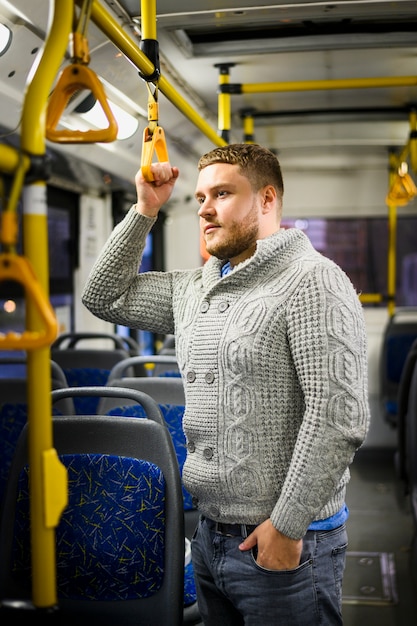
pixel 378 585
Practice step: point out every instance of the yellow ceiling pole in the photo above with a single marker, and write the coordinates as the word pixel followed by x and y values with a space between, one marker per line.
pixel 392 241
pixel 248 125
pixel 148 42
pixel 48 476
pixel 224 101
pixel 248 128
pixel 342 83
pixel 148 19
pixel 413 140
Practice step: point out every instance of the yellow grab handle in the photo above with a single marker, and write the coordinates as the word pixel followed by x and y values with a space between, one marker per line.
pixel 153 142
pixel 74 78
pixel 18 269
pixel 402 191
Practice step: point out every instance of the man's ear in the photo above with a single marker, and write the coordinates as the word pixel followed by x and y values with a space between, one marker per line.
pixel 269 198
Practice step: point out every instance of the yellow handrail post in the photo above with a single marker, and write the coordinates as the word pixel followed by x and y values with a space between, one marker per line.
pixel 336 83
pixel 413 140
pixel 47 499
pixel 148 19
pixel 224 101
pixel 392 242
pixel 248 125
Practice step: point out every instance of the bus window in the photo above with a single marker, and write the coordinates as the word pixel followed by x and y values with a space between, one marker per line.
pixel 360 247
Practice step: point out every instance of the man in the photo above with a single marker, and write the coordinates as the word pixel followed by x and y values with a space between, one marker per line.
pixel 271 344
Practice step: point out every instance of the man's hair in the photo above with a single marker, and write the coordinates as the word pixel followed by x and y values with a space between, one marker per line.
pixel 260 166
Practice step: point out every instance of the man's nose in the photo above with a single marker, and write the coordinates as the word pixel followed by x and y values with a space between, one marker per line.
pixel 206 208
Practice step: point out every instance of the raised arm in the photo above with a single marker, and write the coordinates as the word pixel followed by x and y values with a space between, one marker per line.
pixel 115 291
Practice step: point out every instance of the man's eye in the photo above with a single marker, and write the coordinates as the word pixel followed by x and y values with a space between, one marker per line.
pixel 222 193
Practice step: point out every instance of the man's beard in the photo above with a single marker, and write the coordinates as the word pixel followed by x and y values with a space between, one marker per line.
pixel 241 236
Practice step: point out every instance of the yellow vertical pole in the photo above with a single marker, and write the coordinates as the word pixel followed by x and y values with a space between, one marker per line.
pixel 148 19
pixel 392 243
pixel 35 227
pixel 248 125
pixel 224 101
pixel 413 140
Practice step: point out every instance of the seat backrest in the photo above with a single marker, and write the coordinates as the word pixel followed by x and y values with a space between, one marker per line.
pixel 404 391
pixel 88 358
pixel 120 541
pixel 399 334
pixel 13 364
pixel 165 390
pixel 154 365
pixel 73 339
pixel 87 367
pixel 410 445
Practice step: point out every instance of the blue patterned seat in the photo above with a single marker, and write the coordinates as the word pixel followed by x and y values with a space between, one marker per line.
pixel 111 537
pixel 120 541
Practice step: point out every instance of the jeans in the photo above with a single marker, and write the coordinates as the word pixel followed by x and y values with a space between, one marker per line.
pixel 232 590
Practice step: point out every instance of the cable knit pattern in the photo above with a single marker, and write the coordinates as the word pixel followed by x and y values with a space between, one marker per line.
pixel 274 362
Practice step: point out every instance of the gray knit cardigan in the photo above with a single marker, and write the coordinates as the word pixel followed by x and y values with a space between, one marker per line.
pixel 274 362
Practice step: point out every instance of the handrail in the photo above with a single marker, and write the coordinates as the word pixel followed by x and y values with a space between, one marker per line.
pixel 337 83
pixel 392 240
pixel 48 484
pixel 114 32
pixel 224 101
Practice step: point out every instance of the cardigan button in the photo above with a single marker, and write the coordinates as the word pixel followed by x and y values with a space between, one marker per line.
pixel 209 378
pixel 208 453
pixel 191 446
pixel 204 307
pixel 223 306
pixel 191 376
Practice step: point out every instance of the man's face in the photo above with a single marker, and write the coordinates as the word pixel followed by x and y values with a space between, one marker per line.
pixel 229 212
